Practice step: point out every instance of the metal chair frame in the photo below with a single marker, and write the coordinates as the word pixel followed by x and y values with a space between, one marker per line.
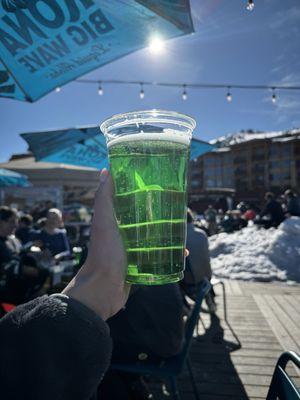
pixel 282 386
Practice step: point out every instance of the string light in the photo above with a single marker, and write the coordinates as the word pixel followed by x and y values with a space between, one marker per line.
pixel 274 98
pixel 229 95
pixel 142 93
pixel 100 89
pixel 184 87
pixel 250 5
pixel 184 93
pixel 58 89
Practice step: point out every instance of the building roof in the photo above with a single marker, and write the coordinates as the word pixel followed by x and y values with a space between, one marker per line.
pixel 52 174
pixel 28 162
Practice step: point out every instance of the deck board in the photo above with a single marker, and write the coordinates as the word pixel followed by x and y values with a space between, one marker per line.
pixel 265 317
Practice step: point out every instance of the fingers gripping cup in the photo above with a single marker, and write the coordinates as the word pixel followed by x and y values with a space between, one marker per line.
pixel 149 153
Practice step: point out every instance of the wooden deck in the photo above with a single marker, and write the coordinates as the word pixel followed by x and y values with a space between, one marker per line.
pixel 234 358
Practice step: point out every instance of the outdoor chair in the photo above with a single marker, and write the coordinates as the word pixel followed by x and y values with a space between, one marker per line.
pixel 214 282
pixel 171 367
pixel 282 387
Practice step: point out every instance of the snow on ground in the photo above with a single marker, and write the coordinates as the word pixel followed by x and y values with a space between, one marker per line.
pixel 258 254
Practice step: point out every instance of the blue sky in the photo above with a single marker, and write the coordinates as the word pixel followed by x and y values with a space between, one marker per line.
pixel 230 45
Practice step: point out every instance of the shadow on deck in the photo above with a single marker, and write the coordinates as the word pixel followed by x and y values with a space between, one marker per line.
pixel 234 356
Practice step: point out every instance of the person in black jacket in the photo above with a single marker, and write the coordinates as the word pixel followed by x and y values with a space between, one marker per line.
pixel 273 211
pixel 58 346
pixel 149 328
pixel 292 208
pixel 25 232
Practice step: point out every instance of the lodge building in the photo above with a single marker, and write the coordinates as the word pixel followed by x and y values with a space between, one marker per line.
pixel 244 166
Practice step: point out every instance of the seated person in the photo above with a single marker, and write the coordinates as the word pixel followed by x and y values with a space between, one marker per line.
pixel 239 221
pixel 292 204
pixel 25 232
pixel 227 224
pixel 272 210
pixel 10 247
pixel 149 328
pixel 18 272
pixel 52 236
pixel 197 263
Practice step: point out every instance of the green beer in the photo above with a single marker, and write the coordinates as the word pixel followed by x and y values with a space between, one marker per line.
pixel 149 170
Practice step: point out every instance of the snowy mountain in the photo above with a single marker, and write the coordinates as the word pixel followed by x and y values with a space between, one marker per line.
pixel 245 136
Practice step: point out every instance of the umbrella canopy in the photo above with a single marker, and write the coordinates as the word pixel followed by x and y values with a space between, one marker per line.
pixel 84 146
pixel 10 178
pixel 47 43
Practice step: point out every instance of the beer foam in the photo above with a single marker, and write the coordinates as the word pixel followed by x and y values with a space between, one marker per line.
pixel 168 136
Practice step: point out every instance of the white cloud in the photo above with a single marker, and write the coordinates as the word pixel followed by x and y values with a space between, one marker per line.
pixel 289 16
pixel 287 107
pixel 291 79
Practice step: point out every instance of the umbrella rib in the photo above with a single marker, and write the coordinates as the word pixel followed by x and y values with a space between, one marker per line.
pixel 95 140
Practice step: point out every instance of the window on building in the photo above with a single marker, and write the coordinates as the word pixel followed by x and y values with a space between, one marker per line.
pixel 241 170
pixel 280 150
pixel 258 168
pixel 296 150
pixel 227 158
pixel 196 172
pixel 273 164
pixel 241 184
pixel 240 156
pixel 258 180
pixel 286 163
pixel 258 153
pixel 286 150
pixel 208 161
pixel 280 177
pixel 274 151
pixel 208 172
pixel 195 183
pixel 210 183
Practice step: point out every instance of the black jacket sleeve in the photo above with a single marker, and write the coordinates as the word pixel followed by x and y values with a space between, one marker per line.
pixel 54 348
pixel 266 210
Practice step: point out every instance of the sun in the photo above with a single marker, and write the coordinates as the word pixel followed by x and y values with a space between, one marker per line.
pixel 156 45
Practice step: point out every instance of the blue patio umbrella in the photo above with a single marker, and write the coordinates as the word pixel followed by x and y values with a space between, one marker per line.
pixel 47 43
pixel 10 178
pixel 84 146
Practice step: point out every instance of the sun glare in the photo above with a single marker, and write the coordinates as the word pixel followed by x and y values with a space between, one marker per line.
pixel 156 45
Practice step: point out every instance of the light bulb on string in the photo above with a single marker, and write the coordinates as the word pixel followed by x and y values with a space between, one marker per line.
pixel 250 5
pixel 184 93
pixel 229 95
pixel 274 97
pixel 58 89
pixel 100 89
pixel 142 93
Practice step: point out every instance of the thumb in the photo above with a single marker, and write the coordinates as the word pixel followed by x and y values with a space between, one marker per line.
pixel 104 224
pixel 104 196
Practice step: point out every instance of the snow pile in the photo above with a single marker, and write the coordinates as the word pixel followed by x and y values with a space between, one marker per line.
pixel 258 254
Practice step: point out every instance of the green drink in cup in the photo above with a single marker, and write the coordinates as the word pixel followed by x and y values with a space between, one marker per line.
pixel 149 153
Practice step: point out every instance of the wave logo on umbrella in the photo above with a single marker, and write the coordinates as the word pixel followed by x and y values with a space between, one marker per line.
pixel 45 44
pixel 13 5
